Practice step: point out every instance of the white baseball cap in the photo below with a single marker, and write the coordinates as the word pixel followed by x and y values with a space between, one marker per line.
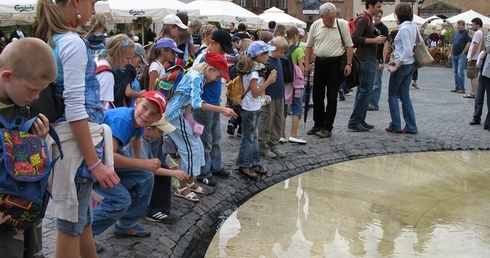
pixel 174 19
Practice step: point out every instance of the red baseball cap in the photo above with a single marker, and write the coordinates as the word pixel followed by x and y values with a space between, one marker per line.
pixel 157 98
pixel 218 61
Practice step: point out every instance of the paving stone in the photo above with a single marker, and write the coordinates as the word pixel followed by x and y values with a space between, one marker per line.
pixel 442 119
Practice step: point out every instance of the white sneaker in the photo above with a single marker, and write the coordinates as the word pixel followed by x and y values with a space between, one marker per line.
pixel 283 140
pixel 296 140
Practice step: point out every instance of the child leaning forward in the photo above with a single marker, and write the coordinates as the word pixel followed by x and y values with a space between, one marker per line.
pixel 187 96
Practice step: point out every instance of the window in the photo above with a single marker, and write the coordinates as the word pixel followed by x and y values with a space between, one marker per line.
pixel 242 3
pixel 267 4
pixel 337 0
pixel 255 3
pixel 284 4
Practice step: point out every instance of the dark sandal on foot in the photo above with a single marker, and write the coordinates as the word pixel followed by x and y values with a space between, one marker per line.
pixel 259 170
pixel 248 172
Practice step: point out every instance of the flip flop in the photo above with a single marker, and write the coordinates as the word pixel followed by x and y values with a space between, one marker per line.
pixel 469 96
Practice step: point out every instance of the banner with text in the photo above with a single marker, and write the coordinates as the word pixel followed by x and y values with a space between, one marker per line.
pixel 311 6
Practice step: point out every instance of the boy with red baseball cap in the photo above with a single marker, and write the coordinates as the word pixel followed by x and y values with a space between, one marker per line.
pixel 124 204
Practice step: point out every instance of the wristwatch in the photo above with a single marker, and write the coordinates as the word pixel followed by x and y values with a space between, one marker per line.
pixel 349 64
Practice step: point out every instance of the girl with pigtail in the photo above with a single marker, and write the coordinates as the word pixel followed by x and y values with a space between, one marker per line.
pixel 96 35
pixel 251 65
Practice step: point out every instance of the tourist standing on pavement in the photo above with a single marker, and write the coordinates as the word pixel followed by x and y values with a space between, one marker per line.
pixel 381 54
pixel 475 47
pixel 325 39
pixel 293 92
pixel 401 71
pixel 211 94
pixel 251 65
pixel 480 93
pixel 366 40
pixel 484 79
pixel 82 144
pixel 460 47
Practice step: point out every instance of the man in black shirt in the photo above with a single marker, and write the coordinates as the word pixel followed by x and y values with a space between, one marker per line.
pixel 382 52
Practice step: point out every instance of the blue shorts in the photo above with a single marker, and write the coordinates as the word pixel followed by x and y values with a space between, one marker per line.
pixel 296 107
pixel 84 196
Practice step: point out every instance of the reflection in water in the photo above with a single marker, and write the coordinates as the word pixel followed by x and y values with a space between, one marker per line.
pixel 410 205
pixel 228 231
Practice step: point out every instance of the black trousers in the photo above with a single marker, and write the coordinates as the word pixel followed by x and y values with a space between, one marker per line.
pixel 161 196
pixel 326 79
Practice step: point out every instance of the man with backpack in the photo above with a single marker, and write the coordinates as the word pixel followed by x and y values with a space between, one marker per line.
pixel 367 41
pixel 326 40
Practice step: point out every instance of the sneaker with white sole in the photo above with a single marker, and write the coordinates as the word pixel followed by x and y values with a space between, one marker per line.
pixel 160 216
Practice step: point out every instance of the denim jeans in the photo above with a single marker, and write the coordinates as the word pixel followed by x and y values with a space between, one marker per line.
pixel 211 138
pixel 399 87
pixel 479 98
pixel 376 94
pixel 124 203
pixel 363 95
pixel 249 152
pixel 459 67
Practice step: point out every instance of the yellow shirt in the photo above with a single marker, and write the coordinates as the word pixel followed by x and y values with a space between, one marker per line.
pixel 326 41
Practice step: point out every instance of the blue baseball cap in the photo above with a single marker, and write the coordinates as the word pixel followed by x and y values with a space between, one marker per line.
pixel 168 43
pixel 257 48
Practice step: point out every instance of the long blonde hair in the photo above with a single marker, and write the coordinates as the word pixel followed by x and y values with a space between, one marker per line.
pixel 51 20
pixel 97 21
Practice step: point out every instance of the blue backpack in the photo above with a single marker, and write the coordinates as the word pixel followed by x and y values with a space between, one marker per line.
pixel 25 166
pixel 96 43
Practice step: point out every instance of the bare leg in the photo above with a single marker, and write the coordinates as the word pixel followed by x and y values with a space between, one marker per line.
pixel 87 245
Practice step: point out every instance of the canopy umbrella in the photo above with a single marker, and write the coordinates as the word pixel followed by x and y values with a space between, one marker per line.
pixel 224 11
pixel 280 17
pixel 17 12
pixel 390 21
pixel 467 17
pixel 124 11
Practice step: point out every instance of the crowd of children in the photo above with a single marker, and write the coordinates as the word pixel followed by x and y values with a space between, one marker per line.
pixel 116 124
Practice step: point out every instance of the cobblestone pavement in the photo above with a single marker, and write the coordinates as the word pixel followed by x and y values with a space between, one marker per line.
pixel 442 119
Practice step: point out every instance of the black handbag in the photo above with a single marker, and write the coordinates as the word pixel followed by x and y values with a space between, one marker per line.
pixel 354 78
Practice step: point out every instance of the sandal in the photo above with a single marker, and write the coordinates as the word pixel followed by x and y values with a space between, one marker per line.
pixel 196 188
pixel 469 96
pixel 248 172
pixel 259 170
pixel 191 196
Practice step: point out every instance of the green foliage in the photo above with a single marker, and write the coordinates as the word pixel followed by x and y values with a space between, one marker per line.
pixel 448 37
pixel 142 22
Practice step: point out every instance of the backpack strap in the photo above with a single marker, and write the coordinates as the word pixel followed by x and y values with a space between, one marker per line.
pixel 25 126
pixel 103 68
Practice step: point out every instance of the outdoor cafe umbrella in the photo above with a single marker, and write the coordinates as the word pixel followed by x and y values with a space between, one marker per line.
pixel 17 12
